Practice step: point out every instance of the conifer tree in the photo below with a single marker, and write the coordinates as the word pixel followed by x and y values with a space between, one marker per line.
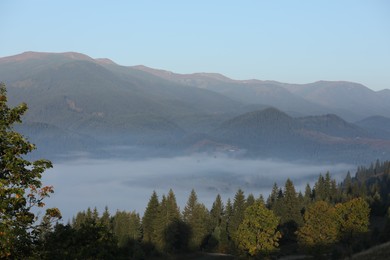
pixel 273 196
pixel 217 212
pixel 219 237
pixel 196 216
pixel 126 227
pixel 308 196
pixel 291 206
pixel 239 206
pixel 250 200
pixel 149 219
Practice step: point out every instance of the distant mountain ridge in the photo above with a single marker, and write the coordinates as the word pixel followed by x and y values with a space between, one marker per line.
pixel 350 100
pixel 92 104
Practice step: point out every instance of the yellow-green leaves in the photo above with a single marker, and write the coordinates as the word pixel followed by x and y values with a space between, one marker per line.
pixel 257 233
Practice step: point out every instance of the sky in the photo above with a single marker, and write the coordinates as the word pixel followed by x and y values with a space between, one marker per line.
pixel 287 41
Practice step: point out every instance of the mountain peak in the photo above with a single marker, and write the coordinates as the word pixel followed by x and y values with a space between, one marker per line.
pixel 31 55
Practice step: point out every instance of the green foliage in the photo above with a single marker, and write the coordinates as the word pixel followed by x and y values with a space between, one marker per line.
pixel 237 216
pixel 197 217
pixel 257 233
pixel 21 188
pixel 353 217
pixel 126 227
pixel 149 219
pixel 90 241
pixel 320 229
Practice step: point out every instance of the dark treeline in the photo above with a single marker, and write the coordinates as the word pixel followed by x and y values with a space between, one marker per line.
pixel 329 219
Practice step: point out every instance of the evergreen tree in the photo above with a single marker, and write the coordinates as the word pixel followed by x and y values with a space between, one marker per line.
pixel 273 196
pixel 149 219
pixel 217 212
pixel 105 220
pixel 171 233
pixel 291 207
pixel 307 198
pixel 250 200
pixel 126 227
pixel 196 216
pixel 219 240
pixel 239 206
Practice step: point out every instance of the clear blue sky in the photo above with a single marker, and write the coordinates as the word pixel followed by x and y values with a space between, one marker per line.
pixel 288 41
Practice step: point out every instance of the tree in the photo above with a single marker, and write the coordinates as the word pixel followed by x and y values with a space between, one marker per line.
pixel 149 218
pixel 239 206
pixel 127 227
pixel 289 209
pixel 170 232
pixel 21 187
pixel 257 233
pixel 353 217
pixel 219 240
pixel 196 216
pixel 320 229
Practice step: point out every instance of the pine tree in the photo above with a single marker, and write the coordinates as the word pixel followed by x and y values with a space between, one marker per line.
pixel 171 233
pixel 219 240
pixel 217 212
pixel 307 198
pixel 149 219
pixel 196 216
pixel 105 220
pixel 250 200
pixel 291 206
pixel 237 214
pixel 273 196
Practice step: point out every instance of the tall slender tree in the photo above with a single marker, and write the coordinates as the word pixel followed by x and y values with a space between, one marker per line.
pixel 149 219
pixel 197 217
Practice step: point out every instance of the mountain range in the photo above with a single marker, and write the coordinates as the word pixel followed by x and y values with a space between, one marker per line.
pixel 81 104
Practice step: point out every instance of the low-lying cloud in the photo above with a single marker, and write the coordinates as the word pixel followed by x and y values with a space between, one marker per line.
pixel 128 185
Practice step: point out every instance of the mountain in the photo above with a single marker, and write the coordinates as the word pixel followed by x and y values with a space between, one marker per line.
pixel 349 100
pixel 378 126
pixel 272 133
pixel 102 100
pixel 95 106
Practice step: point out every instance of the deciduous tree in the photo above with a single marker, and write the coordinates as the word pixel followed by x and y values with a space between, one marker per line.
pixel 257 233
pixel 21 188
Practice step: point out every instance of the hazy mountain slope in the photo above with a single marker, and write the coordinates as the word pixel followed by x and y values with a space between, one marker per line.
pixel 75 92
pixel 376 125
pixel 350 100
pixel 272 133
pixel 332 125
pixel 250 92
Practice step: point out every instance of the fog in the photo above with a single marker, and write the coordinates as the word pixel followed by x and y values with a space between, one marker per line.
pixel 128 185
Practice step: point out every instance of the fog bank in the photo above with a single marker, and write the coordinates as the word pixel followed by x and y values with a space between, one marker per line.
pixel 128 185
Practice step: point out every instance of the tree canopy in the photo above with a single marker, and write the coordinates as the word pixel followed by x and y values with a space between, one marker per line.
pixel 21 188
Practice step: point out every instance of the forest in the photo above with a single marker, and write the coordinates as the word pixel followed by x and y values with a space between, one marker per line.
pixel 329 219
